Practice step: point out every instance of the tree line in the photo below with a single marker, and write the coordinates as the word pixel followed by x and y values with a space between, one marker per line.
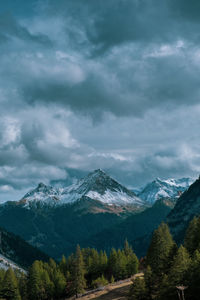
pixel 86 268
pixel 170 271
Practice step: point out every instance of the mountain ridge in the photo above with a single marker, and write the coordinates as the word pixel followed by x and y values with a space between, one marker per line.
pixel 164 188
pixel 97 185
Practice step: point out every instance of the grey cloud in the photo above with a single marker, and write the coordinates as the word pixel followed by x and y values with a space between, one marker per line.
pixel 134 66
pixel 9 28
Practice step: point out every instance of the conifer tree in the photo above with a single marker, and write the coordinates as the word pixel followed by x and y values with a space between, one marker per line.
pixel 34 281
pixel 178 274
pixel 112 264
pixel 194 277
pixel 127 248
pixel 192 237
pixel 149 283
pixel 22 283
pixel 132 264
pixel 63 265
pixel 120 272
pixel 59 284
pixel 47 286
pixel 93 265
pixel 103 260
pixel 160 249
pixel 138 290
pixel 79 282
pixel 10 289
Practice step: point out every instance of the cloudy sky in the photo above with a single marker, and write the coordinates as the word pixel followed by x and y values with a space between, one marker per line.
pixel 87 84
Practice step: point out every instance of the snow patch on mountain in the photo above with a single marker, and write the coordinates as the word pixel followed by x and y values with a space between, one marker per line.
pixel 158 189
pixel 6 263
pixel 97 186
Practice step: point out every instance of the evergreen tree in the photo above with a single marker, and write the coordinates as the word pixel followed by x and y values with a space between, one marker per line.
pixel 160 249
pixel 149 283
pixel 120 269
pixel 93 265
pixel 192 237
pixel 112 264
pixel 79 282
pixel 63 265
pixel 34 282
pixel 194 277
pixel 47 286
pixel 127 248
pixel 132 264
pixel 103 261
pixel 10 288
pixel 178 274
pixel 22 283
pixel 2 274
pixel 59 284
pixel 138 290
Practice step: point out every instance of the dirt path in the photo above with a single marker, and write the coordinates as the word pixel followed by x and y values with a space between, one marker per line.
pixel 116 291
pixel 111 292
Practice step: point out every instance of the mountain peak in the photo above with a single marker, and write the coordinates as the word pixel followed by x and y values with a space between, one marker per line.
pixel 169 188
pixel 97 173
pixel 97 185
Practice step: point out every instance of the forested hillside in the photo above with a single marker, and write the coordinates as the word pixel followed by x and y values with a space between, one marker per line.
pixel 86 268
pixel 170 270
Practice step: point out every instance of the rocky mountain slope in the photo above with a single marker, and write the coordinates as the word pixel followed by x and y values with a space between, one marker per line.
pixel 158 189
pixel 187 206
pixel 17 253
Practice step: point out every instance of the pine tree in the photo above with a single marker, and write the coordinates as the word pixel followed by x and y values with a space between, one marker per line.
pixel 132 264
pixel 138 290
pixel 93 265
pixel 2 274
pixel 22 283
pixel 103 261
pixel 192 237
pixel 160 249
pixel 47 286
pixel 127 248
pixel 60 285
pixel 149 283
pixel 194 277
pixel 112 264
pixel 34 281
pixel 10 289
pixel 79 282
pixel 178 274
pixel 63 265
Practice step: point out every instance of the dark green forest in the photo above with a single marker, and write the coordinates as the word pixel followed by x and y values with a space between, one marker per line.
pixel 170 270
pixel 85 269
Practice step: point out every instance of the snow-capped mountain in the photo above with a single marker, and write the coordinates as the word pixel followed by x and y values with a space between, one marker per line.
pixel 158 189
pixel 97 186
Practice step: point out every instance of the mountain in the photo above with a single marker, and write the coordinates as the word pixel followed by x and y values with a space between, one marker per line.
pixel 187 206
pixel 158 189
pixel 137 229
pixel 17 253
pixel 6 263
pixel 97 186
pixel 56 219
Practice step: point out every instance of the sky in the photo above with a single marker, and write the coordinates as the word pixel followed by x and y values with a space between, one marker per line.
pixel 87 84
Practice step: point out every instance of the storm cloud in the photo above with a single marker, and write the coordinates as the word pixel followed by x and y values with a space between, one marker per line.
pixel 98 84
